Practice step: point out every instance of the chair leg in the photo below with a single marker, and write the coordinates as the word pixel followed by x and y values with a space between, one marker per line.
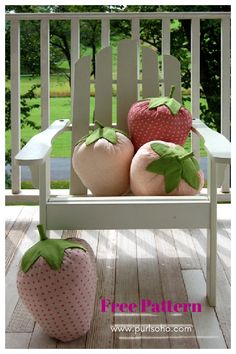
pixel 212 234
pixel 211 266
pixel 44 191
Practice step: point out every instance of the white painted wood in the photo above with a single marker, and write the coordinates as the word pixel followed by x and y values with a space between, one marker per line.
pixel 17 340
pixel 39 147
pixel 195 79
pixel 103 92
pixel 172 76
pixel 126 80
pixel 21 320
pixel 41 340
pixel 185 249
pixel 45 73
pixel 105 34
pixel 126 215
pixel 44 191
pixel 16 234
pixel 150 73
pixel 75 52
pixel 173 289
pixel 10 282
pixel 223 304
pixel 135 29
pixel 212 235
pixel 15 104
pixel 118 15
pixel 127 288
pixel 99 335
pixel 206 325
pixel 165 40
pixel 11 212
pixel 215 143
pixel 150 287
pixel 225 90
pixel 195 67
pixel 81 111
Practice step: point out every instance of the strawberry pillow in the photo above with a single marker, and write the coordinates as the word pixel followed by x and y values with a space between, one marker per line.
pixel 161 118
pixel 161 168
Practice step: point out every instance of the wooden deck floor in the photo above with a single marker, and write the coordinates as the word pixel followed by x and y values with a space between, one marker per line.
pixel 132 265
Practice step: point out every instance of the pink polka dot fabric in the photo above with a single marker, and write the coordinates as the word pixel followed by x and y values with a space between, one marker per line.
pixel 157 124
pixel 62 302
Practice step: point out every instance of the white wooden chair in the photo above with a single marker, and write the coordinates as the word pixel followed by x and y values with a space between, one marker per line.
pixel 81 211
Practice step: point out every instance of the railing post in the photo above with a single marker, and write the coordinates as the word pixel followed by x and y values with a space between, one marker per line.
pixel 135 29
pixel 225 90
pixel 45 74
pixel 15 104
pixel 75 52
pixel 105 34
pixel 165 39
pixel 195 79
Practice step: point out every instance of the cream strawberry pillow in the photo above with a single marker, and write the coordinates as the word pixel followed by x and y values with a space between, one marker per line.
pixel 161 168
pixel 102 161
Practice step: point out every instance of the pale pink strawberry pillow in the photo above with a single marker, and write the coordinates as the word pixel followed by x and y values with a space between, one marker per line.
pixel 104 167
pixel 61 301
pixel 144 182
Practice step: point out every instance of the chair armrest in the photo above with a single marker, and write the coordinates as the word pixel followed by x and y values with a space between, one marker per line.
pixel 216 144
pixel 38 147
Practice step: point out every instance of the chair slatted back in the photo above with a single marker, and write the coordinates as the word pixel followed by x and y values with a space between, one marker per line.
pixel 128 79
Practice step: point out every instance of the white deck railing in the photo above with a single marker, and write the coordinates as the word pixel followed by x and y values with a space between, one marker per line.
pixel 105 19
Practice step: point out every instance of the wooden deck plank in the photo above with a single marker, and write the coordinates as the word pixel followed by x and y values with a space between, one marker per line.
pixel 127 289
pixel 224 250
pixel 150 288
pixel 185 248
pixel 100 335
pixel 206 325
pixel 11 214
pixel 223 292
pixel 41 340
pixel 174 289
pixel 21 320
pixel 17 340
pixel 30 238
pixel 17 233
pixel 147 276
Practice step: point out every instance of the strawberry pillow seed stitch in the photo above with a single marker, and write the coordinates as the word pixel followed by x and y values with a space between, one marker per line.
pixel 161 118
pixel 57 283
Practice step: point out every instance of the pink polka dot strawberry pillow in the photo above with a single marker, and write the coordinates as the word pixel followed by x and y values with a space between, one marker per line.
pixel 57 283
pixel 161 118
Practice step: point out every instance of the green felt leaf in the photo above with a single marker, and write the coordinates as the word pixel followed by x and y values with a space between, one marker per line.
pixel 110 135
pixel 173 105
pixel 160 149
pixel 52 250
pixel 172 178
pixel 157 101
pixel 195 162
pixel 190 174
pixel 175 164
pixel 94 136
pixel 100 132
pixel 158 166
